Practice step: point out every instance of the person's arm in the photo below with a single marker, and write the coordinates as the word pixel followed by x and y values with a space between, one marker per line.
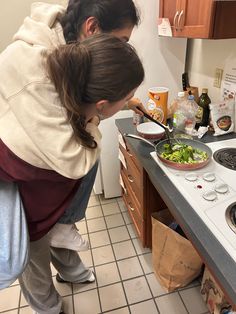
pixel 134 103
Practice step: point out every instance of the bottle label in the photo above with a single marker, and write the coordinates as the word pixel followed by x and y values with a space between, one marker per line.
pixel 199 115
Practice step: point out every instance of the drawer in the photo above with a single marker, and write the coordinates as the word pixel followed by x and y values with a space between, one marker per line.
pixel 129 154
pixel 133 207
pixel 133 174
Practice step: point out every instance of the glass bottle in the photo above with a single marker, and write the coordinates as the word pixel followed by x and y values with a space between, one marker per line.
pixel 203 112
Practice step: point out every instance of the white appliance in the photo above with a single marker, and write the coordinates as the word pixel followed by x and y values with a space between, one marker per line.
pixel 164 61
pixel 210 191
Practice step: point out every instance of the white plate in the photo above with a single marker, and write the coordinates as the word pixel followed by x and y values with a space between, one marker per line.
pixel 150 130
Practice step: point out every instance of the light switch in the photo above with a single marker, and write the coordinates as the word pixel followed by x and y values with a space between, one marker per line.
pixel 218 77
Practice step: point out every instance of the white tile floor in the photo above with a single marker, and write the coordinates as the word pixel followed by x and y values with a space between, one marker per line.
pixel 125 282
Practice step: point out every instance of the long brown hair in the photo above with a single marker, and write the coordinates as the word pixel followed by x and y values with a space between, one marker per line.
pixel 102 67
pixel 110 15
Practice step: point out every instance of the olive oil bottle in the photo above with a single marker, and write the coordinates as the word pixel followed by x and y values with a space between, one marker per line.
pixel 203 112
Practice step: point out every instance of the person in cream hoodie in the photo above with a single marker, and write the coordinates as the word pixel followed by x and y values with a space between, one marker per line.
pixel 51 95
pixel 51 25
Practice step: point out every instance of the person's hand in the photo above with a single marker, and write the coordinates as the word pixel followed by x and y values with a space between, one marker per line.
pixel 95 120
pixel 134 103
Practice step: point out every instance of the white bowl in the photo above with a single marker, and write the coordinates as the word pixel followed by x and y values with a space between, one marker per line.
pixel 150 130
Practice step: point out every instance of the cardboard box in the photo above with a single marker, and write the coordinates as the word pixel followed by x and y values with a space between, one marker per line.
pixel 213 295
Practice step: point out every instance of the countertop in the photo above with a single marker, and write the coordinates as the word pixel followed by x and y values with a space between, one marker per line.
pixel 213 253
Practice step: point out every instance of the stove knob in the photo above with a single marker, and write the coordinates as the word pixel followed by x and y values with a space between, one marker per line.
pixel 221 188
pixel 210 195
pixel 191 176
pixel 209 176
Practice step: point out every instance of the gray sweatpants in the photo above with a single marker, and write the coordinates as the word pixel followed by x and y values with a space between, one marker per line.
pixel 36 281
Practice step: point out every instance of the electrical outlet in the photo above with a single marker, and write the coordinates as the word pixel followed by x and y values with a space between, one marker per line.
pixel 218 77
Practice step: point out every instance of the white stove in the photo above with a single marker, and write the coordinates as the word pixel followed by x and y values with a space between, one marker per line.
pixel 209 191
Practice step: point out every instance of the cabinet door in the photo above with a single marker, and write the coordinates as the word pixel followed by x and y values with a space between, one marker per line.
pixel 170 9
pixel 196 19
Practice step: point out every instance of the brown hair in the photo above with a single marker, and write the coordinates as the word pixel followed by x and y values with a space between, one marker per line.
pixel 110 15
pixel 102 67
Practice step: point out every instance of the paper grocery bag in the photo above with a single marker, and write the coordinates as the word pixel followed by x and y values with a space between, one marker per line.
pixel 175 261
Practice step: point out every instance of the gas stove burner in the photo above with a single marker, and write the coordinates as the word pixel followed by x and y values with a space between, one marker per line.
pixel 226 157
pixel 231 216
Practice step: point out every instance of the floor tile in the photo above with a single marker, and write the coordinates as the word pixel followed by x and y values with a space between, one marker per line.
pixel 114 220
pixel 139 248
pixel 123 249
pixel 94 212
pixel 87 302
pixel 15 283
pixel 62 288
pixel 171 303
pixel 104 200
pixel 137 290
pixel 122 205
pixel 144 307
pixel 130 268
pixel 22 310
pixel 16 312
pixel 68 305
pixel 53 269
pixel 99 238
pixel 119 234
pixel 107 274
pixel 124 310
pixel 110 209
pixel 81 225
pixel 96 224
pixel 127 218
pixel 112 297
pixel 93 201
pixel 23 302
pixel 146 262
pixel 86 257
pixel 9 298
pixel 156 288
pixel 82 287
pixel 132 231
pixel 103 255
pixel 193 300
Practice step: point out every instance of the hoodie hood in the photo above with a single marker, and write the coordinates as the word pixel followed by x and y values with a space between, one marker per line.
pixel 42 27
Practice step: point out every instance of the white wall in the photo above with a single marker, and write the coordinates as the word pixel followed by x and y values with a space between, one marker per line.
pixel 163 58
pixel 203 57
pixel 12 14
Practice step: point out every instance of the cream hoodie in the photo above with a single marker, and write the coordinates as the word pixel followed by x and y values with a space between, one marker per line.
pixel 33 122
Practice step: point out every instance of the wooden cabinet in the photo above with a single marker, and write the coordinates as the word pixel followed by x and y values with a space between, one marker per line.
pixel 200 18
pixel 139 195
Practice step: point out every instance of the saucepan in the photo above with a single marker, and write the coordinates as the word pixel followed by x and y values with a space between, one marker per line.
pixel 160 147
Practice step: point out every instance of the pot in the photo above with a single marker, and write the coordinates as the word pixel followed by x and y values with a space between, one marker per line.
pixel 159 147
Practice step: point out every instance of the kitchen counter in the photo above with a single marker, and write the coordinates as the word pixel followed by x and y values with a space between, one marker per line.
pixel 212 252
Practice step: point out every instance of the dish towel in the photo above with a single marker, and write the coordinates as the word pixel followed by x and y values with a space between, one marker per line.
pixel 14 239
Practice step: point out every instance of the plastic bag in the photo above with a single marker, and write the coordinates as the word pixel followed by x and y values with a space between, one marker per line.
pixel 222 115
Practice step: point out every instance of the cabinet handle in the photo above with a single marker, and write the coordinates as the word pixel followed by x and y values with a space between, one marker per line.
pixel 130 178
pixel 176 15
pixel 179 20
pixel 131 208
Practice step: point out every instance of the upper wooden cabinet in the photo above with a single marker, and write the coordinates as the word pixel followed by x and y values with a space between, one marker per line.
pixel 214 19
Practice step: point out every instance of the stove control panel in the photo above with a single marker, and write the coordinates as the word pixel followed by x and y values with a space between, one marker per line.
pixel 205 188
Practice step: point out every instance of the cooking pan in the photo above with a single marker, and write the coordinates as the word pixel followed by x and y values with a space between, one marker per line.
pixel 159 148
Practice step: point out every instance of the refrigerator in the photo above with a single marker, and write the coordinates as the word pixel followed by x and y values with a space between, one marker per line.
pixel 163 59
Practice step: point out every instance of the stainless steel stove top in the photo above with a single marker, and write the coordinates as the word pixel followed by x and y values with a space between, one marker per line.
pixel 210 191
